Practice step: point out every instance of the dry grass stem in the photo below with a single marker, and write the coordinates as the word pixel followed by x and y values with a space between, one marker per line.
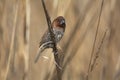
pixel 94 42
pixel 55 50
pixel 12 40
pixel 97 53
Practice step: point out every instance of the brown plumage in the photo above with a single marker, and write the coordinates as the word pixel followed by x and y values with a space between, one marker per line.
pixel 58 25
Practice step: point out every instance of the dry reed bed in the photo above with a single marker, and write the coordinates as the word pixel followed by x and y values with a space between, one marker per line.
pixel 82 17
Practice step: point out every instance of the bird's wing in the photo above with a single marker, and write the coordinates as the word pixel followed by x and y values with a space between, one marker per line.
pixel 45 38
pixel 44 43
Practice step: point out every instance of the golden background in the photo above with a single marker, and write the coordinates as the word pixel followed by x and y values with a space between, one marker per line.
pixel 19 39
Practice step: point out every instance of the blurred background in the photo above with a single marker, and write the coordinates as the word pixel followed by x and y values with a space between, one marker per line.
pixel 23 22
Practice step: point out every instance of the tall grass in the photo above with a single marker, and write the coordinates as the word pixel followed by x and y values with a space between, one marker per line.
pixel 22 24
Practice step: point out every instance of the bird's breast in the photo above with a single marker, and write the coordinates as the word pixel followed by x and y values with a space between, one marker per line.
pixel 58 35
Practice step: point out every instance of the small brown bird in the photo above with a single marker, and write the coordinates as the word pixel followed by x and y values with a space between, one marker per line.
pixel 58 25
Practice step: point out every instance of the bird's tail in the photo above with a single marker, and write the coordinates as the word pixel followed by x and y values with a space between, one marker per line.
pixel 40 50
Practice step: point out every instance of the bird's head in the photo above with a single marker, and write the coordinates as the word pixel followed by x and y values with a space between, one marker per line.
pixel 59 22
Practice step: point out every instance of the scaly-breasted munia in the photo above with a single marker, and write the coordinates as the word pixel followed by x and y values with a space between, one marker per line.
pixel 58 25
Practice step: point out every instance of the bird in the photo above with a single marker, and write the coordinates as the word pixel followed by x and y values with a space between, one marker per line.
pixel 58 26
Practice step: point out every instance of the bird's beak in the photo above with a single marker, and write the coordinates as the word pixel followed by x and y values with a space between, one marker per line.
pixel 62 22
